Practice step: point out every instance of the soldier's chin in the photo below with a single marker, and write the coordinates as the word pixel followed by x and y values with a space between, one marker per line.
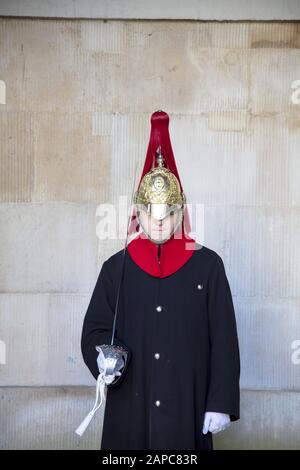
pixel 160 236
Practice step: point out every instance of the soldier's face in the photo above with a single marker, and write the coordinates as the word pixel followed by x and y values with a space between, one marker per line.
pixel 159 231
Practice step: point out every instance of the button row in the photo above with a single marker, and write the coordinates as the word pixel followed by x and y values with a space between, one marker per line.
pixel 157 355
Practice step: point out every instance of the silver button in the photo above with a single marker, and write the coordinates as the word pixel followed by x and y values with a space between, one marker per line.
pixel 157 403
pixel 159 308
pixel 200 286
pixel 157 355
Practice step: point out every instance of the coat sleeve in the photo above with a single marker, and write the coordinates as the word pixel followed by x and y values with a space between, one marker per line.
pixel 98 321
pixel 223 391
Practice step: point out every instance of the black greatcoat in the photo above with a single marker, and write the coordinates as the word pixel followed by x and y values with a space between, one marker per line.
pixel 161 400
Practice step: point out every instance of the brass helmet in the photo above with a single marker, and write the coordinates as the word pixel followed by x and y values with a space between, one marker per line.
pixel 159 193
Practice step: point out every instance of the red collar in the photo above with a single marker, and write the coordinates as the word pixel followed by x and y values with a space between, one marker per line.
pixel 174 253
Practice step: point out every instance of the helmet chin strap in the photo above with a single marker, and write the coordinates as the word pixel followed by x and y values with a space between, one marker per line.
pixel 160 242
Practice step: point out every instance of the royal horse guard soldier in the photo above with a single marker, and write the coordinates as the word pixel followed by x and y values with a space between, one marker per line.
pixel 175 316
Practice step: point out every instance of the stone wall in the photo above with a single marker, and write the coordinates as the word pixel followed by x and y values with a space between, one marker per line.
pixel 75 107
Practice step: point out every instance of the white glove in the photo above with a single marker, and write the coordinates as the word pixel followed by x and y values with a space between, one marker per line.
pixel 215 422
pixel 102 368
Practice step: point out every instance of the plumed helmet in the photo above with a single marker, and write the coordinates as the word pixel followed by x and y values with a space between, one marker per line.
pixel 159 191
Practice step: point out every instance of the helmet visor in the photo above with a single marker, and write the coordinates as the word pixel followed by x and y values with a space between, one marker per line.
pixel 159 211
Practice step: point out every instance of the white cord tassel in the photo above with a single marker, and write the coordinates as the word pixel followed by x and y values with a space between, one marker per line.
pixel 100 392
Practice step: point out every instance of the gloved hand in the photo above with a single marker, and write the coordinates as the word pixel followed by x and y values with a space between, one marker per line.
pixel 215 422
pixel 102 368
